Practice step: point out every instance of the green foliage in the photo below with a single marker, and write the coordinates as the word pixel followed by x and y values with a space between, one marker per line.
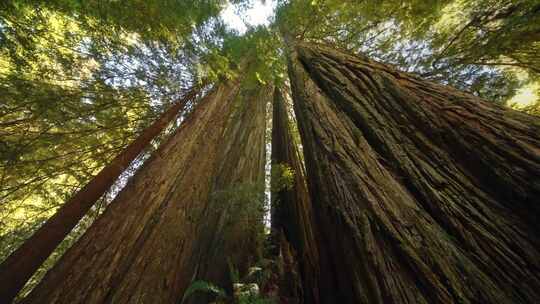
pixel 242 292
pixel 533 108
pixel 242 208
pixel 153 20
pixel 475 45
pixel 261 273
pixel 244 203
pixel 205 287
pixel 234 274
pixel 282 177
pixel 489 32
pixel 258 275
pixel 78 81
pixel 255 299
pixel 257 54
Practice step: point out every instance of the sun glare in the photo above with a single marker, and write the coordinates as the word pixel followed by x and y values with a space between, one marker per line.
pixel 525 96
pixel 259 14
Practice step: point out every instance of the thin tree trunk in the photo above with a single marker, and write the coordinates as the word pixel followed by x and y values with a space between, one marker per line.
pixel 292 221
pixel 146 246
pixel 19 267
pixel 422 193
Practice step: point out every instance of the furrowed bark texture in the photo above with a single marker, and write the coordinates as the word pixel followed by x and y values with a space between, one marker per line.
pixel 422 193
pixel 234 218
pixel 146 247
pixel 292 220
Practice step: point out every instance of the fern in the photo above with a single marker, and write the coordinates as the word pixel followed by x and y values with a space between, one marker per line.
pixel 255 299
pixel 203 286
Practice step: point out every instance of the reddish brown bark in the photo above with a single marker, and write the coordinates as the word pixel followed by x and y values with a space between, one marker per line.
pixel 17 269
pixel 422 193
pixel 147 246
pixel 233 236
pixel 292 222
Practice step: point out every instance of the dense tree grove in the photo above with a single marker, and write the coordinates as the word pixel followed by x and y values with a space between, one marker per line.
pixel 341 151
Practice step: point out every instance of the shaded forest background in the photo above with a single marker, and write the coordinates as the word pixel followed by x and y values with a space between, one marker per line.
pixel 80 79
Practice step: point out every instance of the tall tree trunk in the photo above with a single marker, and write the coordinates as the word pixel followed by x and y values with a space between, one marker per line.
pixel 233 229
pixel 422 193
pixel 146 246
pixel 19 267
pixel 292 221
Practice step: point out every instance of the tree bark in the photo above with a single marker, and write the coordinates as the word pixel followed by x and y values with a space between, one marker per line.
pixel 19 267
pixel 292 221
pixel 147 246
pixel 234 218
pixel 422 193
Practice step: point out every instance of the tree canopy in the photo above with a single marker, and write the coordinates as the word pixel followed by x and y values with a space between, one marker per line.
pixel 80 79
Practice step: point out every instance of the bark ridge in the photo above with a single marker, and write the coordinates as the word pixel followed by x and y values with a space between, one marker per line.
pixel 422 193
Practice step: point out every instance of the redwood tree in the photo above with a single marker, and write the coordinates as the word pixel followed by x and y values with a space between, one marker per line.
pixel 17 269
pixel 147 246
pixel 293 231
pixel 422 193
